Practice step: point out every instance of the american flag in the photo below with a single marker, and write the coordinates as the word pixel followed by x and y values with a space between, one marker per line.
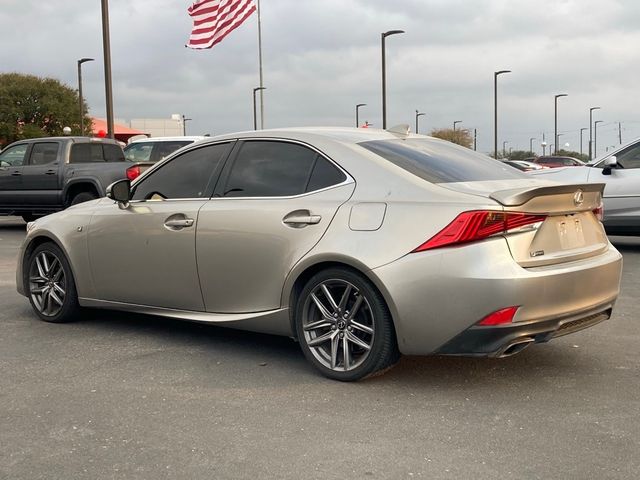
pixel 215 19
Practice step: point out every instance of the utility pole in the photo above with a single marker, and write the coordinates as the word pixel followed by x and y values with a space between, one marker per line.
pixel 620 133
pixel 106 49
pixel 475 139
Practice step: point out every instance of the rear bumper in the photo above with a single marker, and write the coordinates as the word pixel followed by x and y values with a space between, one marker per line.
pixel 437 297
pixel 503 341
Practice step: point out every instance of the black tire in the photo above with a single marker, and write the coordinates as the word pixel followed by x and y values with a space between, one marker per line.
pixel 367 319
pixel 28 217
pixel 38 276
pixel 83 197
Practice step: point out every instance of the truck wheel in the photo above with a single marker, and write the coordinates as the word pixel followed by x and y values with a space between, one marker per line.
pixel 83 197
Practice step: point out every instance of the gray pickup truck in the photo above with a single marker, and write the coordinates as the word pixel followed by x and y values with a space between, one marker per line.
pixel 44 175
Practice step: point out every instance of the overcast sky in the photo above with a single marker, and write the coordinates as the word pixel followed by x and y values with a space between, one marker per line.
pixel 321 57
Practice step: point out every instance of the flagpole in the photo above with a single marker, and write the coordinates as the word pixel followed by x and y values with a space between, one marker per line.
pixel 260 61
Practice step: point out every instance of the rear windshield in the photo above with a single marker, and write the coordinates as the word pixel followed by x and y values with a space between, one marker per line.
pixel 441 162
pixel 95 152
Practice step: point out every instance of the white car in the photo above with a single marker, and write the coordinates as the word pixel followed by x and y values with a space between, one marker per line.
pixel 156 148
pixel 619 170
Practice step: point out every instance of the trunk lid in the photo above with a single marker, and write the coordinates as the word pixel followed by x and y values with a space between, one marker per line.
pixel 571 231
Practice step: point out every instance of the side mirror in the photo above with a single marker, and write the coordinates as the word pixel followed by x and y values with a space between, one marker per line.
pixel 120 191
pixel 609 164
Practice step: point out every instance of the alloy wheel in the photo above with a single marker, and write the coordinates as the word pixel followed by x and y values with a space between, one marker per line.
pixel 47 283
pixel 338 325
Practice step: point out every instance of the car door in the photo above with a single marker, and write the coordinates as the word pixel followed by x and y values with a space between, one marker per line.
pixel 273 203
pixel 622 191
pixel 40 179
pixel 145 254
pixel 11 164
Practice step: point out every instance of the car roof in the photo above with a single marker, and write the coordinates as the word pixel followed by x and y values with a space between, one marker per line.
pixel 193 138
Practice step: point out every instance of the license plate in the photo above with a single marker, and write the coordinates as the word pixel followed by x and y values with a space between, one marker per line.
pixel 570 232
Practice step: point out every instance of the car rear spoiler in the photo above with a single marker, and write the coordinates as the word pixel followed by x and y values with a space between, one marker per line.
pixel 519 196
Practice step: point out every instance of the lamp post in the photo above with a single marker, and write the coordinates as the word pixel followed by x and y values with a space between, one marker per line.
pixel 357 113
pixel 106 50
pixel 555 114
pixel 595 137
pixel 504 148
pixel 558 142
pixel 455 123
pixel 531 144
pixel 184 125
pixel 591 131
pixel 543 144
pixel 495 110
pixel 255 116
pixel 80 62
pixel 582 130
pixel 418 115
pixel 383 37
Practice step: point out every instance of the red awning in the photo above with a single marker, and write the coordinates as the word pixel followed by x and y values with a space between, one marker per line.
pixel 120 132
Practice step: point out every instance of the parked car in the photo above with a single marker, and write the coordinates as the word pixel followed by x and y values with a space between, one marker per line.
pixel 557 161
pixel 619 170
pixel 362 244
pixel 524 166
pixel 147 151
pixel 43 175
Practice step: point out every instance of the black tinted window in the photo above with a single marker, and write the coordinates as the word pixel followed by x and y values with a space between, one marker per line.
pixel 43 153
pixel 86 152
pixel 113 153
pixel 164 149
pixel 270 169
pixel 186 176
pixel 629 157
pixel 441 162
pixel 324 175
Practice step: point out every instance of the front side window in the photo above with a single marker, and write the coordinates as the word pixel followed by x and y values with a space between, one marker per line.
pixel 13 156
pixel 186 176
pixel 441 162
pixel 629 157
pixel 270 169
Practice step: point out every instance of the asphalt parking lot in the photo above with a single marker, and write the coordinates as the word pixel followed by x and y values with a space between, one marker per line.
pixel 130 396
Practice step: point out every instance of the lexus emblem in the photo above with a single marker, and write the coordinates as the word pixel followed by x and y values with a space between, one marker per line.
pixel 578 198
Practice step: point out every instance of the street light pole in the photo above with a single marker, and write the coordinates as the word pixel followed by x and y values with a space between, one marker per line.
pixel 455 123
pixel 591 131
pixel 595 137
pixel 255 115
pixel 495 110
pixel 555 112
pixel 81 101
pixel 357 114
pixel 418 115
pixel 582 130
pixel 184 125
pixel 384 36
pixel 106 49
pixel 504 148
pixel 531 144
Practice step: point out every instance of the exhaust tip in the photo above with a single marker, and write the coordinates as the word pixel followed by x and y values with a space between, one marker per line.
pixel 516 347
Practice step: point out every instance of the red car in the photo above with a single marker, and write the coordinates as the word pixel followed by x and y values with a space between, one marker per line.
pixel 557 161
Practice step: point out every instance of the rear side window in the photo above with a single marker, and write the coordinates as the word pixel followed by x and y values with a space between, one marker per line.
pixel 164 149
pixel 270 169
pixel 185 176
pixel 138 152
pixel 43 153
pixel 441 162
pixel 324 175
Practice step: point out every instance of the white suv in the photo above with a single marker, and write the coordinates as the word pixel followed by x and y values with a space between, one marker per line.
pixel 156 148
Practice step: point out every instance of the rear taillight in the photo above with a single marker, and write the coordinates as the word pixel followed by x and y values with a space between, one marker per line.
pixel 133 172
pixel 477 225
pixel 499 317
pixel 599 211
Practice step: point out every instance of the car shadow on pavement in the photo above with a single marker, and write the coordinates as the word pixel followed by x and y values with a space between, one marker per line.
pixel 286 364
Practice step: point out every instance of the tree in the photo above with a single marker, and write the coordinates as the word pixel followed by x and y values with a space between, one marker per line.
pixel 31 107
pixel 460 136
pixel 521 154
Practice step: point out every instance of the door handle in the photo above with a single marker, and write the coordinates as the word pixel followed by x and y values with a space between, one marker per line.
pixel 178 223
pixel 50 172
pixel 301 218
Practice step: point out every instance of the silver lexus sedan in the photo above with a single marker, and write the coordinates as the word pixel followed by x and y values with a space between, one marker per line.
pixel 361 244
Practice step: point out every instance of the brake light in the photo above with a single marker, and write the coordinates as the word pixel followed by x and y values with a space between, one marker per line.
pixel 499 317
pixel 478 225
pixel 599 212
pixel 133 172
